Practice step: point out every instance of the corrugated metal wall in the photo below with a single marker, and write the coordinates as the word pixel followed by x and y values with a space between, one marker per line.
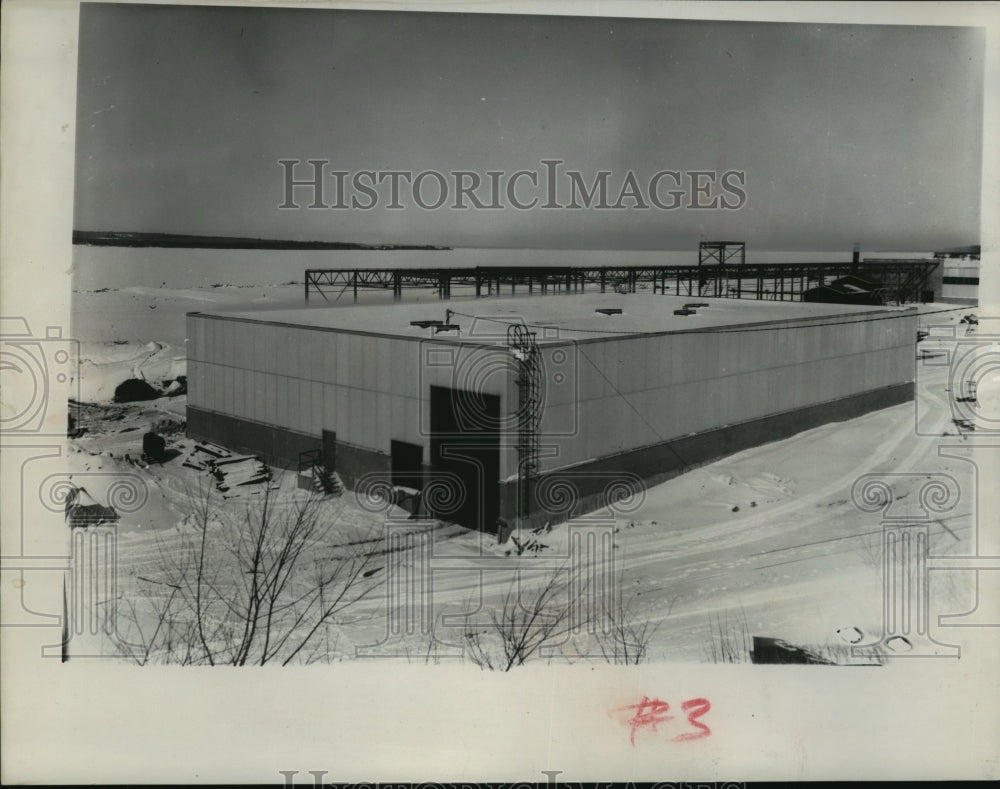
pixel 634 392
pixel 365 388
pixel 602 397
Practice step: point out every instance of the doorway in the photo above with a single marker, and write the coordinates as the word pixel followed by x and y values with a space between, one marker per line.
pixel 465 449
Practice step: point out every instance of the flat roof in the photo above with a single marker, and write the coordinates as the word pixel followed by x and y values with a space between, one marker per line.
pixel 556 317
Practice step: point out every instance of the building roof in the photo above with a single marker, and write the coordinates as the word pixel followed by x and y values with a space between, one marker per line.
pixel 857 283
pixel 840 293
pixel 555 317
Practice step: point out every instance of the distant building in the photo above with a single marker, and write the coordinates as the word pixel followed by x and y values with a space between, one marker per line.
pixel 960 279
pixel 958 270
pixel 846 290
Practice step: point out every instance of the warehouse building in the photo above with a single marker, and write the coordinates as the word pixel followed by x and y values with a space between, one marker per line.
pixel 587 396
pixel 960 280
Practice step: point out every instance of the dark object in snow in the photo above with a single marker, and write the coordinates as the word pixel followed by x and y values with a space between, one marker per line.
pixel 154 447
pixel 504 530
pixel 736 508
pixel 774 650
pixel 74 431
pixel 177 387
pixel 134 389
pixel 83 511
pixel 531 544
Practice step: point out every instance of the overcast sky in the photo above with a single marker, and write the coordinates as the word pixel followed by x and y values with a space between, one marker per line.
pixel 846 133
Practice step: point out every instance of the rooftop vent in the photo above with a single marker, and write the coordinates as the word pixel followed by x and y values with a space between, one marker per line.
pixel 609 311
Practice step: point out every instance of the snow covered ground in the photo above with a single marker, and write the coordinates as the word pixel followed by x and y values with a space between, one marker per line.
pixel 766 542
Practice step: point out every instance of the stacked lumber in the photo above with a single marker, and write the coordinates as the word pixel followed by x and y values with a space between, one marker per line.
pixel 229 470
pixel 204 456
pixel 239 470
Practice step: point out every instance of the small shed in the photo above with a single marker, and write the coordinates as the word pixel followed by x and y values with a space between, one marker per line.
pixel 83 510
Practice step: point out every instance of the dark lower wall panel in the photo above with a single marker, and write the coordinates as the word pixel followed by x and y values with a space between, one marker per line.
pixel 567 493
pixel 280 447
pixel 354 462
pixel 276 446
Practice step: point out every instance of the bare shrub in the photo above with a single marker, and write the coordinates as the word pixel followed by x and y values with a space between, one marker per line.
pixel 729 638
pixel 258 589
pixel 526 620
pixel 531 620
pixel 870 550
pixel 626 639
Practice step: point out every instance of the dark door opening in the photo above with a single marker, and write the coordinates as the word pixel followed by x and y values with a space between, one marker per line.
pixel 407 464
pixel 465 457
pixel 330 450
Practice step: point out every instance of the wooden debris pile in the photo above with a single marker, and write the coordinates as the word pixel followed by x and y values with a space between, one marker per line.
pixel 228 469
pixel 531 545
pixel 204 455
pixel 239 470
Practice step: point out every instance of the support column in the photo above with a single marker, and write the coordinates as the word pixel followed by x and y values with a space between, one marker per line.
pixel 91 600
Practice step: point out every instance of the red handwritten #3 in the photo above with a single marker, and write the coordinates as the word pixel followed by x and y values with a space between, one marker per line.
pixel 650 713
